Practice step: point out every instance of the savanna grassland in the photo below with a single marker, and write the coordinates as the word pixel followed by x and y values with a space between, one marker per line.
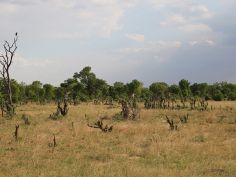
pixel 146 147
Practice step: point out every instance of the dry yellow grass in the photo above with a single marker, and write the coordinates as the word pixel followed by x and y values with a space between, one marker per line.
pixel 147 148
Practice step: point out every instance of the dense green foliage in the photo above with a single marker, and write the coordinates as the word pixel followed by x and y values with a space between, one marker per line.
pixel 85 86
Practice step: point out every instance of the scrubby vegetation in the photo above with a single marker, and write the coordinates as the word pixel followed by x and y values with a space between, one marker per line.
pixel 85 86
pixel 86 127
pixel 204 146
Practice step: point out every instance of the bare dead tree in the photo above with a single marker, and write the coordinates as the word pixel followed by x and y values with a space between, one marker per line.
pixel 63 109
pixel 53 144
pixel 54 141
pixel 16 132
pixel 6 61
pixel 99 125
pixel 25 118
pixel 171 123
pixel 125 109
pixel 129 109
pixel 184 119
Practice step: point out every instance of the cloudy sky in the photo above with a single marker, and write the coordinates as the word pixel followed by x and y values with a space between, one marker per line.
pixel 148 40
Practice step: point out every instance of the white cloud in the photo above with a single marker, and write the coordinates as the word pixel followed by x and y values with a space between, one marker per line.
pixel 101 17
pixel 7 8
pixel 195 27
pixel 136 37
pixel 162 45
pixel 148 52
pixel 22 62
pixel 173 20
pixel 206 42
pixel 68 17
pixel 166 3
pixel 201 11
pixel 151 46
pixel 31 69
pixel 188 16
pixel 183 23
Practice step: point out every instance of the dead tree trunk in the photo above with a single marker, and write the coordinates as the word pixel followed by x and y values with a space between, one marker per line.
pixel 54 141
pixel 63 109
pixel 6 61
pixel 171 123
pixel 99 124
pixel 16 132
pixel 125 109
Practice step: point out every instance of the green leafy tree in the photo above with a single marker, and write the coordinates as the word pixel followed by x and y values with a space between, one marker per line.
pixel 135 88
pixel 49 94
pixel 34 91
pixel 15 87
pixel 87 79
pixel 93 87
pixel 22 94
pixel 228 90
pixel 59 93
pixel 145 94
pixel 101 89
pixel 199 90
pixel 159 89
pixel 174 91
pixel 118 91
pixel 184 86
pixel 215 92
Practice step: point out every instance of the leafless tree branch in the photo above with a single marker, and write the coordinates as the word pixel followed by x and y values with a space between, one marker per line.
pixel 5 62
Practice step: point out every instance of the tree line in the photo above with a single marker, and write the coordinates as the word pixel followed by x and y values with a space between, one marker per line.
pixel 85 86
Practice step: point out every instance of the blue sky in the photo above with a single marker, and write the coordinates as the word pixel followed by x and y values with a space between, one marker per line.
pixel 148 40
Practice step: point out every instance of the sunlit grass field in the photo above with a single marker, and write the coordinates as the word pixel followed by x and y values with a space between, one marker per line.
pixel 146 147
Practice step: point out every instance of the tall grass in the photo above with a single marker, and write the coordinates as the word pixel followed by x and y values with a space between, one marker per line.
pixel 205 146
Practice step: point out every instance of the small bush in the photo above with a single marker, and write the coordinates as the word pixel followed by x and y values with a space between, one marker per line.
pixel 199 139
pixel 25 118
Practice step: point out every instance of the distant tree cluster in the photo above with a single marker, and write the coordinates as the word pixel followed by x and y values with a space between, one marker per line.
pixel 85 86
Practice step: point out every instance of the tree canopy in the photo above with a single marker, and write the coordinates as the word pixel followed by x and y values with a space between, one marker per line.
pixel 85 86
